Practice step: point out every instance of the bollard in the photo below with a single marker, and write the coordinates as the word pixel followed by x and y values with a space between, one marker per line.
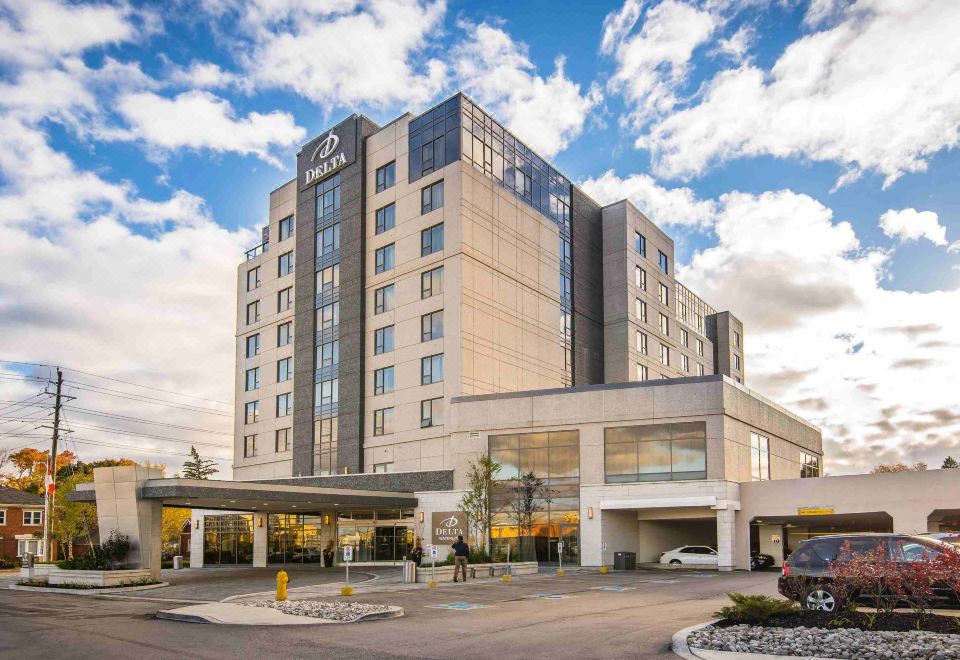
pixel 346 590
pixel 603 570
pixel 505 577
pixel 282 580
pixel 561 572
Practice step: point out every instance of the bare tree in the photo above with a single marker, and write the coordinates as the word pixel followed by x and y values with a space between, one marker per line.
pixel 477 501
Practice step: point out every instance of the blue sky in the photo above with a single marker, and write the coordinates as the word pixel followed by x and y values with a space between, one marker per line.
pixel 802 153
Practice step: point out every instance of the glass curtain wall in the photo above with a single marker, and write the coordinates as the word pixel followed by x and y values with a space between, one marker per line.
pixel 537 503
pixel 327 343
pixel 228 539
pixel 294 539
pixel 655 452
pixel 381 535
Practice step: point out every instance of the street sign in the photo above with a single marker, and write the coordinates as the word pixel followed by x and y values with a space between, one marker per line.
pixel 434 551
pixel 560 547
pixel 348 553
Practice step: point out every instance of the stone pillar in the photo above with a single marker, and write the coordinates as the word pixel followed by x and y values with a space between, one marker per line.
pixel 120 508
pixel 196 538
pixel 726 538
pixel 260 522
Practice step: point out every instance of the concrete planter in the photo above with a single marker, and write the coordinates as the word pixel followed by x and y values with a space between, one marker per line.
pixel 38 571
pixel 445 573
pixel 98 578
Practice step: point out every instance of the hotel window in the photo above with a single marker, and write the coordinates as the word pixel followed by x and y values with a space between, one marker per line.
pixel 253 379
pixel 249 446
pixel 700 347
pixel 431 326
pixel 328 279
pixel 328 316
pixel 664 294
pixel 736 362
pixel 285 299
pixel 663 262
pixel 642 373
pixel 737 379
pixel 759 457
pixel 809 465
pixel 699 369
pixel 655 452
pixel 383 340
pixel 386 218
pixel 328 240
pixel 382 467
pixel 698 322
pixel 284 369
pixel 664 324
pixel 285 264
pixel 640 243
pixel 664 355
pixel 282 440
pixel 384 258
pixel 32 518
pixel 383 299
pixel 328 197
pixel 640 277
pixel 325 445
pixel 641 342
pixel 386 176
pixel 253 345
pixel 641 310
pixel 736 339
pixel 431 240
pixel 253 278
pixel 431 413
pixel 431 369
pixel 328 354
pixel 431 197
pixel 285 333
pixel 284 404
pixel 383 380
pixel 253 312
pixel 431 282
pixel 286 228
pixel 684 338
pixel 326 393
pixel 251 412
pixel 383 421
pixel 685 362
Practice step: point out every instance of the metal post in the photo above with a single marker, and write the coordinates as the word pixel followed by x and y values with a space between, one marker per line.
pixel 51 475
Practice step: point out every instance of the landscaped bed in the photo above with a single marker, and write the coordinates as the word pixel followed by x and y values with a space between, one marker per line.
pixel 330 610
pixel 143 582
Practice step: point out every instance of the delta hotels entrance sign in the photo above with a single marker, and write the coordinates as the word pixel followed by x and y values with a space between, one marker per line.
pixel 329 152
pixel 447 526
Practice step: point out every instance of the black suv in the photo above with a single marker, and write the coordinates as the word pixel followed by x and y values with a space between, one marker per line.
pixel 806 575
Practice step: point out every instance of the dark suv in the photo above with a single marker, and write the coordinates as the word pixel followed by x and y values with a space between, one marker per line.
pixel 806 575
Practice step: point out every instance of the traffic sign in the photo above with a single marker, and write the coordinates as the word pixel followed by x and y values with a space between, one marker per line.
pixel 434 551
pixel 348 553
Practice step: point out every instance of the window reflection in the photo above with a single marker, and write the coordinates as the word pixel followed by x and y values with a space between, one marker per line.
pixel 656 452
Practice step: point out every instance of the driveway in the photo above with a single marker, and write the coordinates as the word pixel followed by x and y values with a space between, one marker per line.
pixel 621 614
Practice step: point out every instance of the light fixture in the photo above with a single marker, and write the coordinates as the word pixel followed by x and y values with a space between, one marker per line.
pixel 326 519
pixel 260 521
pixel 421 516
pixel 590 512
pixel 196 524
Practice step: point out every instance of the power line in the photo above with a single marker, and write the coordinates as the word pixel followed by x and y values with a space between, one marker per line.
pixel 24 401
pixel 86 387
pixel 99 413
pixel 137 434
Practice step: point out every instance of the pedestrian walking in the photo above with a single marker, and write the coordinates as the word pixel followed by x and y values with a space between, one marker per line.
pixel 417 554
pixel 460 553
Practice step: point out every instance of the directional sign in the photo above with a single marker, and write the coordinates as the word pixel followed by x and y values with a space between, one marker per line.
pixel 348 553
pixel 434 551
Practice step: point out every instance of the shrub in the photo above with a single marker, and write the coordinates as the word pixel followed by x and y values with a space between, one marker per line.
pixel 116 547
pixel 754 608
pixel 93 561
pixel 7 563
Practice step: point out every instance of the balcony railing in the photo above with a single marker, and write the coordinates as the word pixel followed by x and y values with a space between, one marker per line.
pixel 257 251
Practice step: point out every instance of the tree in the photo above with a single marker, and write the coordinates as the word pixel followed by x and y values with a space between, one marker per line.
pixel 950 462
pixel 31 468
pixel 81 467
pixel 171 528
pixel 523 505
pixel 198 467
pixel 885 468
pixel 73 520
pixel 476 502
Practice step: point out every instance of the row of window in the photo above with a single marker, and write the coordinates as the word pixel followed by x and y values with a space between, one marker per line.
pixel 431 371
pixel 642 348
pixel 640 245
pixel 282 441
pixel 431 327
pixel 251 411
pixel 284 373
pixel 431 414
pixel 284 338
pixel 30 518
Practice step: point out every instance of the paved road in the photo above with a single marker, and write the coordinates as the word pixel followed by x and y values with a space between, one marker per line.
pixel 600 616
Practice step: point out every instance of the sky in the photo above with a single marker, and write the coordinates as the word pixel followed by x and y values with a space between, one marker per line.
pixel 802 154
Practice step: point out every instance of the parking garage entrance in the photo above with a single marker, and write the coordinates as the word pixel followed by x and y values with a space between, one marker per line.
pixel 778 536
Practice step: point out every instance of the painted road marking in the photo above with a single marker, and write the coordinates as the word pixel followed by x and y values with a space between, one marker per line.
pixel 614 588
pixel 546 596
pixel 458 606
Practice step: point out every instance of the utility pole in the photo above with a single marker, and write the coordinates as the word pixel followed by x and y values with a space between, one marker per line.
pixel 51 476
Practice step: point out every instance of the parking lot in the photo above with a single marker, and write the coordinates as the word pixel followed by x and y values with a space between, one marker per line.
pixel 582 615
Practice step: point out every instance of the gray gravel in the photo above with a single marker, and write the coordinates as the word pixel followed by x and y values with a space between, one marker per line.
pixel 827 643
pixel 335 611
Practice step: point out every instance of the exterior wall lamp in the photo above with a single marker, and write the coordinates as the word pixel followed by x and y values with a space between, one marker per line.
pixel 590 512
pixel 421 516
pixel 326 519
pixel 196 524
pixel 260 521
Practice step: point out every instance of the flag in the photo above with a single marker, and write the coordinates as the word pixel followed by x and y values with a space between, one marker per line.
pixel 48 480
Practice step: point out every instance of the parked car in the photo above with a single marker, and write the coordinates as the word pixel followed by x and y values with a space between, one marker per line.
pixel 806 576
pixel 953 538
pixel 690 554
pixel 759 560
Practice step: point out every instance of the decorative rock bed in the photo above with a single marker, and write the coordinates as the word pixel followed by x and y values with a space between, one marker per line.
pixel 826 643
pixel 330 610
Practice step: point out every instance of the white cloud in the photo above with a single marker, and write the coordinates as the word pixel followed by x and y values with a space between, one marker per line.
pixel 739 43
pixel 546 113
pixel 200 120
pixel 825 339
pixel 206 75
pixel 663 206
pixel 886 69
pixel 654 61
pixel 912 225
pixel 348 53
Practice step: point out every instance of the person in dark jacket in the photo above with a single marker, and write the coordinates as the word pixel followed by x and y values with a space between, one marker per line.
pixel 328 555
pixel 417 555
pixel 460 553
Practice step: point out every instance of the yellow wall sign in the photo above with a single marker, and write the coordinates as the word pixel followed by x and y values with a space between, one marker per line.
pixel 815 511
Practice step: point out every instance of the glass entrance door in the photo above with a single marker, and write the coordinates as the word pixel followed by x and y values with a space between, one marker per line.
pixel 570 535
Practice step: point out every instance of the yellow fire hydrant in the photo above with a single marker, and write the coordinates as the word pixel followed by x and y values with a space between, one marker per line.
pixel 282 580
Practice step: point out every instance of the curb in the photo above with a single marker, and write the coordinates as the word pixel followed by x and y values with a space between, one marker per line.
pixel 291 619
pixel 88 592
pixel 678 644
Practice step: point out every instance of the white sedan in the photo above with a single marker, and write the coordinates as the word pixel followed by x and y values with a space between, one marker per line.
pixel 700 555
